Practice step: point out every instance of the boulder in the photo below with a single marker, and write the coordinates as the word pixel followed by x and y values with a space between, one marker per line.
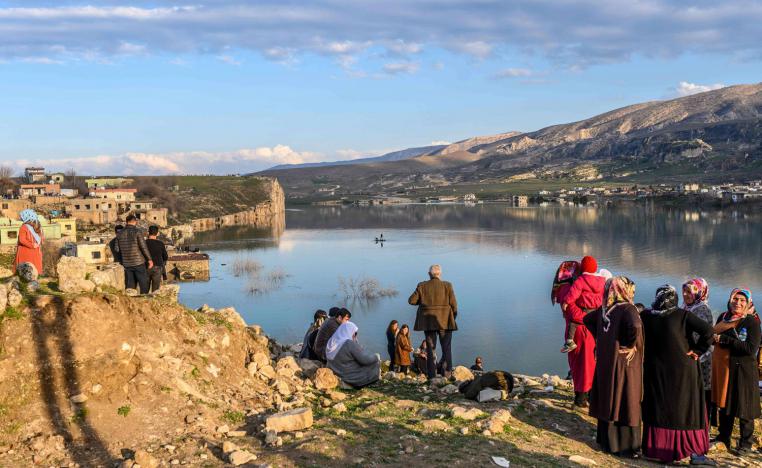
pixel 462 374
pixel 261 359
pixel 241 457
pixel 232 316
pixel 288 421
pixel 5 272
pixel 27 271
pixel 309 367
pixel 467 414
pixel 449 389
pixel 496 423
pixel 582 460
pixel 405 404
pixel 145 459
pixel 434 425
pixel 14 298
pixel 167 291
pixel 111 276
pixel 325 379
pixel 71 275
pixel 267 372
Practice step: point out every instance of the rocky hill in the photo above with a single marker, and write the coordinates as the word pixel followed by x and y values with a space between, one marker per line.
pixel 105 380
pixel 712 136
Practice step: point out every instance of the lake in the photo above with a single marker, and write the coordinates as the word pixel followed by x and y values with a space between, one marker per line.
pixel 500 259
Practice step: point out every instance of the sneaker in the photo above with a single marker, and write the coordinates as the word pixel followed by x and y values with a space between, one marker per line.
pixel 569 346
pixel 702 460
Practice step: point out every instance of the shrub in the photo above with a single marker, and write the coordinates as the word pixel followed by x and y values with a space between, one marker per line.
pixel 245 265
pixel 123 410
pixel 364 288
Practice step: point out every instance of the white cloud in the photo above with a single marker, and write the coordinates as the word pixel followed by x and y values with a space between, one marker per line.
pixel 685 88
pixel 439 142
pixel 579 33
pixel 401 68
pixel 190 162
pixel 41 60
pixel 514 73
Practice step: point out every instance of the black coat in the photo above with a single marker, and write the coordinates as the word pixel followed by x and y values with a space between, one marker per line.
pixel 673 387
pixel 743 385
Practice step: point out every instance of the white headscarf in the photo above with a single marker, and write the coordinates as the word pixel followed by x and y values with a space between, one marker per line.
pixel 345 332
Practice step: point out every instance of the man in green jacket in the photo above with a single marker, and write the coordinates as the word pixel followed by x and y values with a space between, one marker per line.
pixel 437 310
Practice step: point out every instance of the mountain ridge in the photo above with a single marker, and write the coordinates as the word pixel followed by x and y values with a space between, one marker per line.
pixel 706 135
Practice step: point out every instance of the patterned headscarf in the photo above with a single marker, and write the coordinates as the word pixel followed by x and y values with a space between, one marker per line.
pixel 619 289
pixel 746 293
pixel 27 216
pixel 665 301
pixel 567 272
pixel 699 289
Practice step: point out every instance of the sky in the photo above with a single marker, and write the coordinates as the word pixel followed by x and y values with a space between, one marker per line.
pixel 232 86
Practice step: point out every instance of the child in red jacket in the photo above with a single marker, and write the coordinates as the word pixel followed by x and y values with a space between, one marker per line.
pixel 585 295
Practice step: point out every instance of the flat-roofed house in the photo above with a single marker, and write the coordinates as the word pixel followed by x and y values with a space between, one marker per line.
pixel 93 210
pixel 33 190
pixel 124 195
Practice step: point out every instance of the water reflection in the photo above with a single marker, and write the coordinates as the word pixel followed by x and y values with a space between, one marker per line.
pixel 640 238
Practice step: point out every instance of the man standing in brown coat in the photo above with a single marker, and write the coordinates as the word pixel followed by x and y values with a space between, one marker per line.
pixel 436 314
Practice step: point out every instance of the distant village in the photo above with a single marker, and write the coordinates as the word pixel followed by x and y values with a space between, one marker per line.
pixel 726 193
pixel 80 221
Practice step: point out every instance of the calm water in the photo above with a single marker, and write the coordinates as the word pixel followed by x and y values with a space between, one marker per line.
pixel 500 259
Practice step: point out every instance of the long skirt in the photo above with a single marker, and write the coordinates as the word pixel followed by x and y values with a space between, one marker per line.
pixel 669 445
pixel 618 439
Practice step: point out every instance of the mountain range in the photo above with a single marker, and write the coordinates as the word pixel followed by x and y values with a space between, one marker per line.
pixel 715 135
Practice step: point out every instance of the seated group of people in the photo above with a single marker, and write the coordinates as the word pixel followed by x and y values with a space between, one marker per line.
pixel 332 340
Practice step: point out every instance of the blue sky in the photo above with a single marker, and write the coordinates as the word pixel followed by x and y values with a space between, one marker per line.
pixel 231 86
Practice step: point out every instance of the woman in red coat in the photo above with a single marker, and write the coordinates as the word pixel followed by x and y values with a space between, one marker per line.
pixel 583 294
pixel 30 239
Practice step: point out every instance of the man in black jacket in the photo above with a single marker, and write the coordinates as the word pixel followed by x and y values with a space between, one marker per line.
pixel 158 256
pixel 112 244
pixel 134 252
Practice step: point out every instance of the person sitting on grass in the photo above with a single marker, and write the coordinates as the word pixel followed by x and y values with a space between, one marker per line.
pixel 349 361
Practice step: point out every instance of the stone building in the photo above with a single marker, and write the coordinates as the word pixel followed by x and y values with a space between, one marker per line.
pixel 107 182
pixel 122 195
pixel 31 190
pixel 12 208
pixel 93 210
pixel 35 174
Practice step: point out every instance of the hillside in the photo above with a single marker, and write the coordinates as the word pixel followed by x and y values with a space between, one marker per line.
pixel 193 197
pixel 102 379
pixel 711 136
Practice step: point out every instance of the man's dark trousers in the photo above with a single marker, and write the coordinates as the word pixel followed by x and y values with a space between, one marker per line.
pixel 136 274
pixel 445 364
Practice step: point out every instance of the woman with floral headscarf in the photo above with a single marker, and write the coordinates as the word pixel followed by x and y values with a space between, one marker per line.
pixel 695 294
pixel 674 428
pixel 735 381
pixel 30 240
pixel 618 383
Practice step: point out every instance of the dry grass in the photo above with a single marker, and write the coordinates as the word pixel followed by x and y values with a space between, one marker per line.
pixel 363 288
pixel 259 283
pixel 246 266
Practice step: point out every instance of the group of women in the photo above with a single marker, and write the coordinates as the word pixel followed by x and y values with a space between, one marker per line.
pixel 659 377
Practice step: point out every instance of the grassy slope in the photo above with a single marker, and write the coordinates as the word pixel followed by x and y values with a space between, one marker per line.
pixel 209 196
